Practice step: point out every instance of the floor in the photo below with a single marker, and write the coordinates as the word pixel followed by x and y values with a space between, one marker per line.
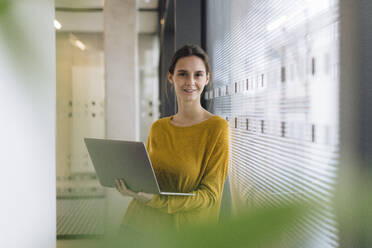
pixel 78 243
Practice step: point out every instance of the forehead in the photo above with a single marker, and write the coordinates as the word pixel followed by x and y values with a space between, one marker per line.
pixel 190 63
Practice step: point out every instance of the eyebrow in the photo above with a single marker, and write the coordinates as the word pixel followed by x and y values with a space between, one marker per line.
pixel 181 70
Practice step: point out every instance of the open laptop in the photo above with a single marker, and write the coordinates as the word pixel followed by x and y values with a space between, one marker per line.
pixel 129 160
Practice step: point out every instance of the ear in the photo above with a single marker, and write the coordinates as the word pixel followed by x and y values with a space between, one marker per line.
pixel 170 78
pixel 207 80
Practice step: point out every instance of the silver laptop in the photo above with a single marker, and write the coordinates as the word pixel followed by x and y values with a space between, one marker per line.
pixel 129 160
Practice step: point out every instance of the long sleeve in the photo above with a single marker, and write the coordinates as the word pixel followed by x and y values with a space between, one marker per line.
pixel 209 191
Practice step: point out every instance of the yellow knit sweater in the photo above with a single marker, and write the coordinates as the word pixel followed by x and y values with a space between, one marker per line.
pixel 185 159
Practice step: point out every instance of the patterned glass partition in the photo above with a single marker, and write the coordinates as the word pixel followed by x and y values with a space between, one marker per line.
pixel 276 80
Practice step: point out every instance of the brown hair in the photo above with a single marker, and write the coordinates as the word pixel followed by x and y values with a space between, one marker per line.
pixel 190 50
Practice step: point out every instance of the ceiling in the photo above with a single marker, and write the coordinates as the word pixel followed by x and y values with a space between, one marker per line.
pixel 87 15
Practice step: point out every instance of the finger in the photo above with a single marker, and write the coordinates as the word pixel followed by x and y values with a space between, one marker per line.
pixel 118 187
pixel 122 184
pixel 126 189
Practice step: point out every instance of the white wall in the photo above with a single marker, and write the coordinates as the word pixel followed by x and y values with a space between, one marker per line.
pixel 27 125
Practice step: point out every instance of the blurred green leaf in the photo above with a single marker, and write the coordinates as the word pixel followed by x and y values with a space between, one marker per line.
pixel 4 4
pixel 22 50
pixel 254 228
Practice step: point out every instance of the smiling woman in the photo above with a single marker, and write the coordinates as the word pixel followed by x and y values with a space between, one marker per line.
pixel 189 73
pixel 189 152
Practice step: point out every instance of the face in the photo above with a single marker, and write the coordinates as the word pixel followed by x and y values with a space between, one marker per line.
pixel 189 78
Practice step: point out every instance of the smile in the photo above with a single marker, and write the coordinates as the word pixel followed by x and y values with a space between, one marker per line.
pixel 189 91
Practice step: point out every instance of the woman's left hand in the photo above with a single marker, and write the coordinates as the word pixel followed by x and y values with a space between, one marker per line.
pixel 140 196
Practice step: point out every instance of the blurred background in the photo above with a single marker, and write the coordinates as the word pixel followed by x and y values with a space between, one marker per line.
pixel 291 78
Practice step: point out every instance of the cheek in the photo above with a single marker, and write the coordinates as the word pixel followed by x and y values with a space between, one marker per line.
pixel 201 85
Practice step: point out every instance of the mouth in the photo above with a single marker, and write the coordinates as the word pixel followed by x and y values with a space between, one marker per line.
pixel 189 91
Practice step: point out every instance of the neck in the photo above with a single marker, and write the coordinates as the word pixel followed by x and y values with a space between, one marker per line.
pixel 190 110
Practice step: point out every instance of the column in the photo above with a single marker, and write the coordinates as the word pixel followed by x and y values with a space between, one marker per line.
pixel 122 107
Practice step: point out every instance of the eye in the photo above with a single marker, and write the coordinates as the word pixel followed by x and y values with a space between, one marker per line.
pixel 181 74
pixel 199 74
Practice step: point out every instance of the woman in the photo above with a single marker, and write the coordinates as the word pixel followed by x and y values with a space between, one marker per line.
pixel 189 152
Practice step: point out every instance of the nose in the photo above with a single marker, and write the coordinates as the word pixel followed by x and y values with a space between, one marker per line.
pixel 190 80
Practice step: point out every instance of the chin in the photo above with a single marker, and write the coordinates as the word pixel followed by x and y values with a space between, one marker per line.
pixel 190 98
